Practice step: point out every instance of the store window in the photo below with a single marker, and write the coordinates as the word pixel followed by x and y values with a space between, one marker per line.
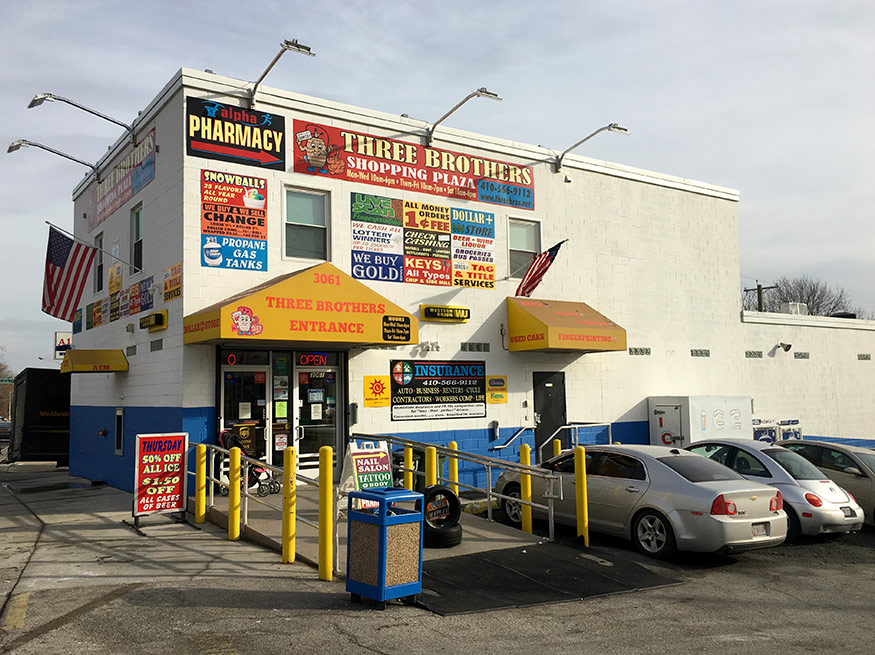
pixel 137 239
pixel 98 263
pixel 524 241
pixel 306 225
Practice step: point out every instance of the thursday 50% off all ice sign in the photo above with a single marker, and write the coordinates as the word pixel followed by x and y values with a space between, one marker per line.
pixel 160 473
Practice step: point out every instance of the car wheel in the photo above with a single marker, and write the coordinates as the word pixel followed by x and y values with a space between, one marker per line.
pixel 513 510
pixel 653 535
pixel 794 528
pixel 446 538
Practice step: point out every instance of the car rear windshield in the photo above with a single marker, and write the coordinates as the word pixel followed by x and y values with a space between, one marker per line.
pixel 699 469
pixel 795 464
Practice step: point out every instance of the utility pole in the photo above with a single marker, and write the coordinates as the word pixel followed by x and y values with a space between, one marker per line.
pixel 759 289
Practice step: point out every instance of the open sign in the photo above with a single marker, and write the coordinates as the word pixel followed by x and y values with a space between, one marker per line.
pixel 312 359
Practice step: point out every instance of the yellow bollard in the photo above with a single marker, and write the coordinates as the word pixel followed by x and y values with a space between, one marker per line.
pixel 430 466
pixel 408 466
pixel 290 493
pixel 526 487
pixel 200 483
pixel 557 447
pixel 580 494
pixel 454 469
pixel 326 514
pixel 234 495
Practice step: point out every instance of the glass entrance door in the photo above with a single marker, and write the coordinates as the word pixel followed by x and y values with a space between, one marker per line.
pixel 317 399
pixel 245 409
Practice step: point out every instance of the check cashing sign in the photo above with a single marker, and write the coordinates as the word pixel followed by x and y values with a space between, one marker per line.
pixel 160 473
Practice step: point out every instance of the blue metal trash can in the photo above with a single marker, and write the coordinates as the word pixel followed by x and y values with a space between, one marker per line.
pixel 384 545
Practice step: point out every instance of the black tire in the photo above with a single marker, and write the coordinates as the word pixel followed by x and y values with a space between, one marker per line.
pixel 442 507
pixel 794 527
pixel 444 538
pixel 653 535
pixel 513 511
pixel 263 489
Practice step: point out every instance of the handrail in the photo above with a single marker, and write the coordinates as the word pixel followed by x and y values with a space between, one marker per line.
pixel 489 463
pixel 575 425
pixel 513 438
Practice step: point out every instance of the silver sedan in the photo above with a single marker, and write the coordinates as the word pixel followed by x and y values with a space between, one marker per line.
pixel 814 504
pixel 662 499
pixel 851 467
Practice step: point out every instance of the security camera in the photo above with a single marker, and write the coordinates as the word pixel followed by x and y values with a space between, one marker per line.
pixel 785 346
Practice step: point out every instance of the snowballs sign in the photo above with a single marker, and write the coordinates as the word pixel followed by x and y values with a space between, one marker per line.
pixel 233 221
pixel 160 473
pixel 436 390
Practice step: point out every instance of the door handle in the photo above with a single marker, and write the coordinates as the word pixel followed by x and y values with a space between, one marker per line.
pixel 632 490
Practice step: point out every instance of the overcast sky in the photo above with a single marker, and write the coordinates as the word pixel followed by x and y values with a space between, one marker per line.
pixel 775 99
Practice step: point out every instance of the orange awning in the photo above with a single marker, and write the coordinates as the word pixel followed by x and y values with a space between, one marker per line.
pixel 94 361
pixel 321 304
pixel 560 326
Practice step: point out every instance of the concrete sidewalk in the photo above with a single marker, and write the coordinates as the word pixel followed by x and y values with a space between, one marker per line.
pixel 264 526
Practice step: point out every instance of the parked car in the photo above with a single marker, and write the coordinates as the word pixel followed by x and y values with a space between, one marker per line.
pixel 5 431
pixel 814 504
pixel 851 467
pixel 662 499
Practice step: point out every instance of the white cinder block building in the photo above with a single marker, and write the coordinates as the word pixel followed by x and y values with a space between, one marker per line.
pixel 299 270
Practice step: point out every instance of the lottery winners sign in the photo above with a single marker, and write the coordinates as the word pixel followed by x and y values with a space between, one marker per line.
pixel 419 243
pixel 160 473
pixel 437 390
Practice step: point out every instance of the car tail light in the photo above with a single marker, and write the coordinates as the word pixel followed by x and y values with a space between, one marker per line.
pixel 813 499
pixel 851 496
pixel 776 503
pixel 721 506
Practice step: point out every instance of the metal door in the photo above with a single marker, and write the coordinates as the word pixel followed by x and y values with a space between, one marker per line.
pixel 317 397
pixel 668 424
pixel 549 392
pixel 245 410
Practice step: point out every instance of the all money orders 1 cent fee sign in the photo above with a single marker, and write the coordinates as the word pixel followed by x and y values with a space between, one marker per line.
pixel 160 473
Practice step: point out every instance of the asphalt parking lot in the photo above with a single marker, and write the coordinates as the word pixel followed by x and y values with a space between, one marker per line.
pixel 76 580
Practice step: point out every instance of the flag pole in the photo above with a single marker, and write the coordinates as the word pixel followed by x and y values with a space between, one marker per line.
pixel 91 245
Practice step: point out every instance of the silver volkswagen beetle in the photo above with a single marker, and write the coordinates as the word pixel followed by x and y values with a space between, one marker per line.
pixel 852 467
pixel 814 504
pixel 662 499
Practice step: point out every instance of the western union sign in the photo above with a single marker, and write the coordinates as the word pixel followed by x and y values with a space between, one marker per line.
pixel 444 313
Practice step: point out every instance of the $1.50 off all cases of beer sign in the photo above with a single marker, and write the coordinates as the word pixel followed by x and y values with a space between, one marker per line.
pixel 160 473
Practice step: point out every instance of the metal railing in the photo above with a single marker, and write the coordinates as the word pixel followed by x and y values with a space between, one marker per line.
pixel 573 442
pixel 552 480
pixel 219 460
pixel 515 436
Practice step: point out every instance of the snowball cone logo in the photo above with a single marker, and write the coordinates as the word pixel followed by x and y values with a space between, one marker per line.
pixel 402 373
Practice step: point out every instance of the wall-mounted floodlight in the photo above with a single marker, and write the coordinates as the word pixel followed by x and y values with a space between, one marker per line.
pixel 479 93
pixel 785 347
pixel 613 127
pixel 285 46
pixel 40 98
pixel 17 145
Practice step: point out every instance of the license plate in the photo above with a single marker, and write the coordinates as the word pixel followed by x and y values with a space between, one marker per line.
pixel 759 530
pixel 849 512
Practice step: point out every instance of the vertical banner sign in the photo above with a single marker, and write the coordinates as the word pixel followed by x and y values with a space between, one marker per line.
pixel 173 282
pixel 420 243
pixel 437 390
pixel 233 221
pixel 345 155
pixel 234 134
pixel 160 473
pixel 124 180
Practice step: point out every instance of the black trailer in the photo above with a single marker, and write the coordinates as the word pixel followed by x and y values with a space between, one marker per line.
pixel 41 417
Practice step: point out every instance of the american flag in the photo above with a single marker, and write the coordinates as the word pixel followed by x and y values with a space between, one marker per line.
pixel 67 266
pixel 539 266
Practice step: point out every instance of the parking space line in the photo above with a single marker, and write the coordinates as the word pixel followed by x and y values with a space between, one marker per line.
pixel 17 612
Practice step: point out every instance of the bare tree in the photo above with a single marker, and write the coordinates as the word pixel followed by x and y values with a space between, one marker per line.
pixel 5 390
pixel 821 299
